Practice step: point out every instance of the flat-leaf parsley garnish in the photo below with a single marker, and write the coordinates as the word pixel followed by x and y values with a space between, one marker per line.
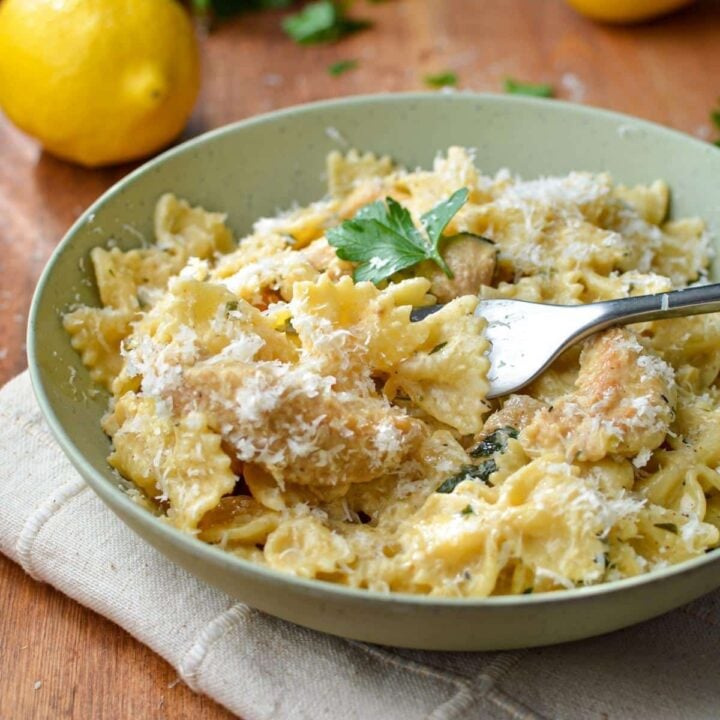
pixel 469 472
pixel 382 238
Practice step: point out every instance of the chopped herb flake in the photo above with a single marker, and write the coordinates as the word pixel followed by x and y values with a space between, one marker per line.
pixel 495 442
pixel 670 527
pixel 528 591
pixel 516 87
pixel 715 118
pixel 437 348
pixel 467 510
pixel 382 238
pixel 232 306
pixel 320 22
pixel 443 79
pixel 469 472
pixel 341 67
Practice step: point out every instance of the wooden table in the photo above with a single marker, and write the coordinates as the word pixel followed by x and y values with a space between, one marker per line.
pixel 666 71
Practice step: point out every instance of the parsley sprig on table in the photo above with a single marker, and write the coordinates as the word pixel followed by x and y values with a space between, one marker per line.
pixel 383 239
pixel 341 67
pixel 517 87
pixel 322 21
pixel 442 79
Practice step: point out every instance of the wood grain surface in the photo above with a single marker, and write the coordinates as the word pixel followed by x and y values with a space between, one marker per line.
pixel 60 660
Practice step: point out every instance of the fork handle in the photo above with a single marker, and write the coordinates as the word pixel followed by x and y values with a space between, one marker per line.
pixel 661 306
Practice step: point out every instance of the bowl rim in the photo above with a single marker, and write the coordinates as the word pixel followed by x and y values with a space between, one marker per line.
pixel 194 547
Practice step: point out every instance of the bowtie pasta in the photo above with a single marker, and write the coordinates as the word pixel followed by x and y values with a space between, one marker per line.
pixel 263 400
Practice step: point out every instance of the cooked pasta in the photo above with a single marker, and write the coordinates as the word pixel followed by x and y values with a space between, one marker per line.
pixel 265 399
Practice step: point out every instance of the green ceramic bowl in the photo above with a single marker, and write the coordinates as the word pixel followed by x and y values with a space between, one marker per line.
pixel 253 168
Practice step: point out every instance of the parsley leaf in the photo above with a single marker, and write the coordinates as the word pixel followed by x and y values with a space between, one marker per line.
pixel 341 67
pixel 517 87
pixel 322 21
pixel 383 239
pixel 443 79
pixel 379 250
pixel 669 527
pixel 436 220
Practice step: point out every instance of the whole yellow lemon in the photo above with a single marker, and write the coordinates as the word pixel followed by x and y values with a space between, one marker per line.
pixel 98 81
pixel 626 11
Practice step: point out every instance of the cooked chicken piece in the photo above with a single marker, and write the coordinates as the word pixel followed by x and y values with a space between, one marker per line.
pixel 623 403
pixel 322 256
pixel 517 412
pixel 471 259
pixel 290 420
pixel 360 197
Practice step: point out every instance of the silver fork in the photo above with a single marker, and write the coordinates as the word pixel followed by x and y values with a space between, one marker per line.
pixel 526 337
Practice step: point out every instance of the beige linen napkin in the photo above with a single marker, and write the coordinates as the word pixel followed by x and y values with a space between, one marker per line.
pixel 262 668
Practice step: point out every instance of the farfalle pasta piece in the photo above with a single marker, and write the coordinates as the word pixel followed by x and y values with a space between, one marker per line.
pixel 447 378
pixel 178 462
pixel 456 540
pixel 422 190
pixel 194 321
pixel 135 279
pixel 684 251
pixel 190 231
pixel 352 329
pixel 305 547
pixel 250 250
pixel 346 172
pixel 689 344
pixel 271 278
pixel 97 333
pixel 651 202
